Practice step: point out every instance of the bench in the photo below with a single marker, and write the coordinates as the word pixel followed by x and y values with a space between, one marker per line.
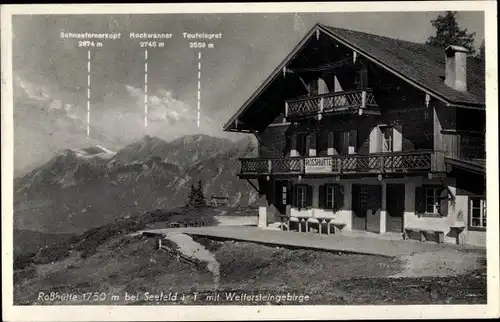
pixel 337 226
pixel 219 201
pixel 423 232
pixel 187 224
pixel 175 225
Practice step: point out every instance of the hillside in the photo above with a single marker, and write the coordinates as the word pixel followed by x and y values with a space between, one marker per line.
pixel 79 189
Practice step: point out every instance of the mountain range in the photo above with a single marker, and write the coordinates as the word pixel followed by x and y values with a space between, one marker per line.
pixel 82 188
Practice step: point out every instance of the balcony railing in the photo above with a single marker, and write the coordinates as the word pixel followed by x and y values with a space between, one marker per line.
pixel 351 101
pixel 393 162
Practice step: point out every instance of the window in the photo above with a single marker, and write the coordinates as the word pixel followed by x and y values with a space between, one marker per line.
pixel 283 196
pixel 363 197
pixel 345 142
pixel 330 197
pixel 477 213
pixel 432 200
pixel 302 144
pixel 301 197
pixel 388 139
pixel 313 87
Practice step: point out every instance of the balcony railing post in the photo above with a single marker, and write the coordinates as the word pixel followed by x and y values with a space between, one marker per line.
pixel 381 158
pixel 363 99
pixel 286 109
pixel 269 166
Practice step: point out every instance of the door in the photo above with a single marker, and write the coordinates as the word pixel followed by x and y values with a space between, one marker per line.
pixel 373 209
pixel 359 204
pixel 282 197
pixel 366 207
pixel 395 207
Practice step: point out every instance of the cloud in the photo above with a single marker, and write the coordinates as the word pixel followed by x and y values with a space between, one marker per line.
pixel 43 104
pixel 162 106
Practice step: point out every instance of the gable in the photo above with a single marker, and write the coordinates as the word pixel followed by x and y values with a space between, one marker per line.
pixel 420 65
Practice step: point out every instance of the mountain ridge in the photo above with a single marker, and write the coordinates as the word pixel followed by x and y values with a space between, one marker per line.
pixel 79 188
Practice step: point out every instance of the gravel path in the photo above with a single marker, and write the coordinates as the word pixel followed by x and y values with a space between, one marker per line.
pixel 192 249
pixel 441 263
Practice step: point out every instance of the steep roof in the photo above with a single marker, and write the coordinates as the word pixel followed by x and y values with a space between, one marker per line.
pixel 419 64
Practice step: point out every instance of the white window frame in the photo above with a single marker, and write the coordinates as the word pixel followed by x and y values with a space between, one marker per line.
pixel 387 143
pixel 482 212
pixel 301 197
pixel 435 197
pixel 284 195
pixel 330 193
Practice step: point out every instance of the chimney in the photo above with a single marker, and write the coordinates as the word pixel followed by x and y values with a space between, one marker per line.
pixel 456 67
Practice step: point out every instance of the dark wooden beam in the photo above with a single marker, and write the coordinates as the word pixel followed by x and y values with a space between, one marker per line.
pixel 256 189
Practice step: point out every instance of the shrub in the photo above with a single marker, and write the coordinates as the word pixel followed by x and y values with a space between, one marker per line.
pixel 22 261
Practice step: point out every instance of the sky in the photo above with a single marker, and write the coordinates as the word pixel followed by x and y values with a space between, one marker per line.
pixel 50 73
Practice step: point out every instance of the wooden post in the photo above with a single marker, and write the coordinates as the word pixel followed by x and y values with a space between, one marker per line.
pixel 422 236
pixel 286 109
pixel 321 107
pixel 288 225
pixel 427 99
pixel 328 222
pixel 319 226
pixel 269 166
pixel 307 225
pixel 300 224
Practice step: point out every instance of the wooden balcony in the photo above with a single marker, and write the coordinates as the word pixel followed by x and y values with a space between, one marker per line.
pixel 357 101
pixel 380 163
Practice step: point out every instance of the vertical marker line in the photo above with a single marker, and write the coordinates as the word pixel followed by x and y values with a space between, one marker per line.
pixel 88 93
pixel 199 90
pixel 145 88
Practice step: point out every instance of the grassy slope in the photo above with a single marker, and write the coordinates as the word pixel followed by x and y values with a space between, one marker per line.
pixel 88 242
pixel 132 264
pixel 29 241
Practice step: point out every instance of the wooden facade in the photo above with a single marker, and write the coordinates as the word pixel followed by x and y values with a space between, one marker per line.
pixel 344 138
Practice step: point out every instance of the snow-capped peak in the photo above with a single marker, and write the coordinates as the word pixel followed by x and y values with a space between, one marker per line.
pixel 94 151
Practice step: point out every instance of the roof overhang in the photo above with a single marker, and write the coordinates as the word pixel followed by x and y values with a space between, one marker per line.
pixel 467 165
pixel 317 28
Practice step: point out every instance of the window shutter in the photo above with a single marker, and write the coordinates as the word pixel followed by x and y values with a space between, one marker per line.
pixel 355 193
pixel 419 200
pixel 312 141
pixel 294 196
pixel 353 139
pixel 443 202
pixel 309 196
pixel 344 143
pixel 321 143
pixel 289 193
pixel 293 142
pixel 397 138
pixel 339 197
pixel 322 196
pixel 330 140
